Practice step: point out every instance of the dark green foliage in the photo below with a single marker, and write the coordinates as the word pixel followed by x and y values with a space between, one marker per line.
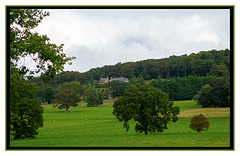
pixel 67 96
pixel 117 88
pixel 216 93
pixel 204 63
pixel 25 110
pixel 205 96
pixel 92 96
pixel 46 93
pixel 218 70
pixel 181 88
pixel 199 123
pixel 148 106
pixel 200 64
pixel 49 57
pixel 139 80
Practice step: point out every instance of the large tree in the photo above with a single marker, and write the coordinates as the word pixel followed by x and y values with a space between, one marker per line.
pixel 67 97
pixel 24 108
pixel 148 106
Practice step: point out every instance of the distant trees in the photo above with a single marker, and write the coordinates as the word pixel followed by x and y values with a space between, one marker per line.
pixel 216 93
pixel 205 96
pixel 92 96
pixel 148 106
pixel 117 88
pixel 67 96
pixel 212 63
pixel 181 88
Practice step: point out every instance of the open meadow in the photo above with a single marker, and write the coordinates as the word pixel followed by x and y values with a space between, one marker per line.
pixel 97 127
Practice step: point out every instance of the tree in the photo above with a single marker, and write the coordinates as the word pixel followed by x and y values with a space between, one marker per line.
pixel 221 91
pixel 93 98
pixel 199 123
pixel 46 93
pixel 218 70
pixel 148 106
pixel 139 80
pixel 67 96
pixel 23 43
pixel 25 110
pixel 117 88
pixel 205 96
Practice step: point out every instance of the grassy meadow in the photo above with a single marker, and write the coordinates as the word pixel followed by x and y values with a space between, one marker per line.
pixel 97 127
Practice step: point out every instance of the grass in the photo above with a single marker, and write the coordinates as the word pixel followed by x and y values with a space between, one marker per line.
pixel 97 127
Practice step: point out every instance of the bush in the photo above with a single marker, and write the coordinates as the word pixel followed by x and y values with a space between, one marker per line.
pixel 199 123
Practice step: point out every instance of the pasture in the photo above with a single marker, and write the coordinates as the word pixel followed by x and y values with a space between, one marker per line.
pixel 97 127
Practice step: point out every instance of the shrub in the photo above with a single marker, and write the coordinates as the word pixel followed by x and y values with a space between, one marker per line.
pixel 199 123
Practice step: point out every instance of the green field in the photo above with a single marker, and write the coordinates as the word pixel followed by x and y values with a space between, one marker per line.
pixel 97 127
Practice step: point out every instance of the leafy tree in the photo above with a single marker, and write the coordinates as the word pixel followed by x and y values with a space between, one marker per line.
pixel 66 97
pixel 218 70
pixel 117 88
pixel 205 96
pixel 92 96
pixel 49 57
pixel 46 93
pixel 139 80
pixel 221 91
pixel 25 110
pixel 199 123
pixel 148 106
pixel 181 88
pixel 216 93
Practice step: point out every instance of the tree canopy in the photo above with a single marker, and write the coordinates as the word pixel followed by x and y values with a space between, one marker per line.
pixel 24 108
pixel 67 96
pixel 148 106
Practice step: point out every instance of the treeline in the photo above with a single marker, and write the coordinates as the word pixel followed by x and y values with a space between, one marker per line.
pixel 181 88
pixel 181 77
pixel 205 63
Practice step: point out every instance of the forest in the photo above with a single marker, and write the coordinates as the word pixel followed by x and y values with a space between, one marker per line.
pixel 181 77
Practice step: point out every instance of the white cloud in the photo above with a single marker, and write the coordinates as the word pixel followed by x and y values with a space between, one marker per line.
pixel 100 37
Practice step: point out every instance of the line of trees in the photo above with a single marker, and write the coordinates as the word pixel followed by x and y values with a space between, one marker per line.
pixel 183 84
pixel 205 63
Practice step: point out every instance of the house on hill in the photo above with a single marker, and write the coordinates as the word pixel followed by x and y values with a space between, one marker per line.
pixel 103 80
pixel 107 80
pixel 122 79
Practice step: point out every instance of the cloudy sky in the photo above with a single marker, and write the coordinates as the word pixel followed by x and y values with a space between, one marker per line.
pixel 99 37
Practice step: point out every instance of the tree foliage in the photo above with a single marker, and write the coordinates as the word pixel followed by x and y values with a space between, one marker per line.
pixel 216 93
pixel 67 96
pixel 92 97
pixel 199 123
pixel 205 96
pixel 49 57
pixel 148 106
pixel 25 110
pixel 200 64
pixel 181 88
pixel 117 88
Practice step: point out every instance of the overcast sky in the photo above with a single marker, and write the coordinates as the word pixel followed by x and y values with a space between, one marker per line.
pixel 99 37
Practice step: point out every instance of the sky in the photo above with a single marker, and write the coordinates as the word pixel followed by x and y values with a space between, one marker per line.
pixel 98 37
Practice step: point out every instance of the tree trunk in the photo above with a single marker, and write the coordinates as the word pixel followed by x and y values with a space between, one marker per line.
pixel 66 108
pixel 146 132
